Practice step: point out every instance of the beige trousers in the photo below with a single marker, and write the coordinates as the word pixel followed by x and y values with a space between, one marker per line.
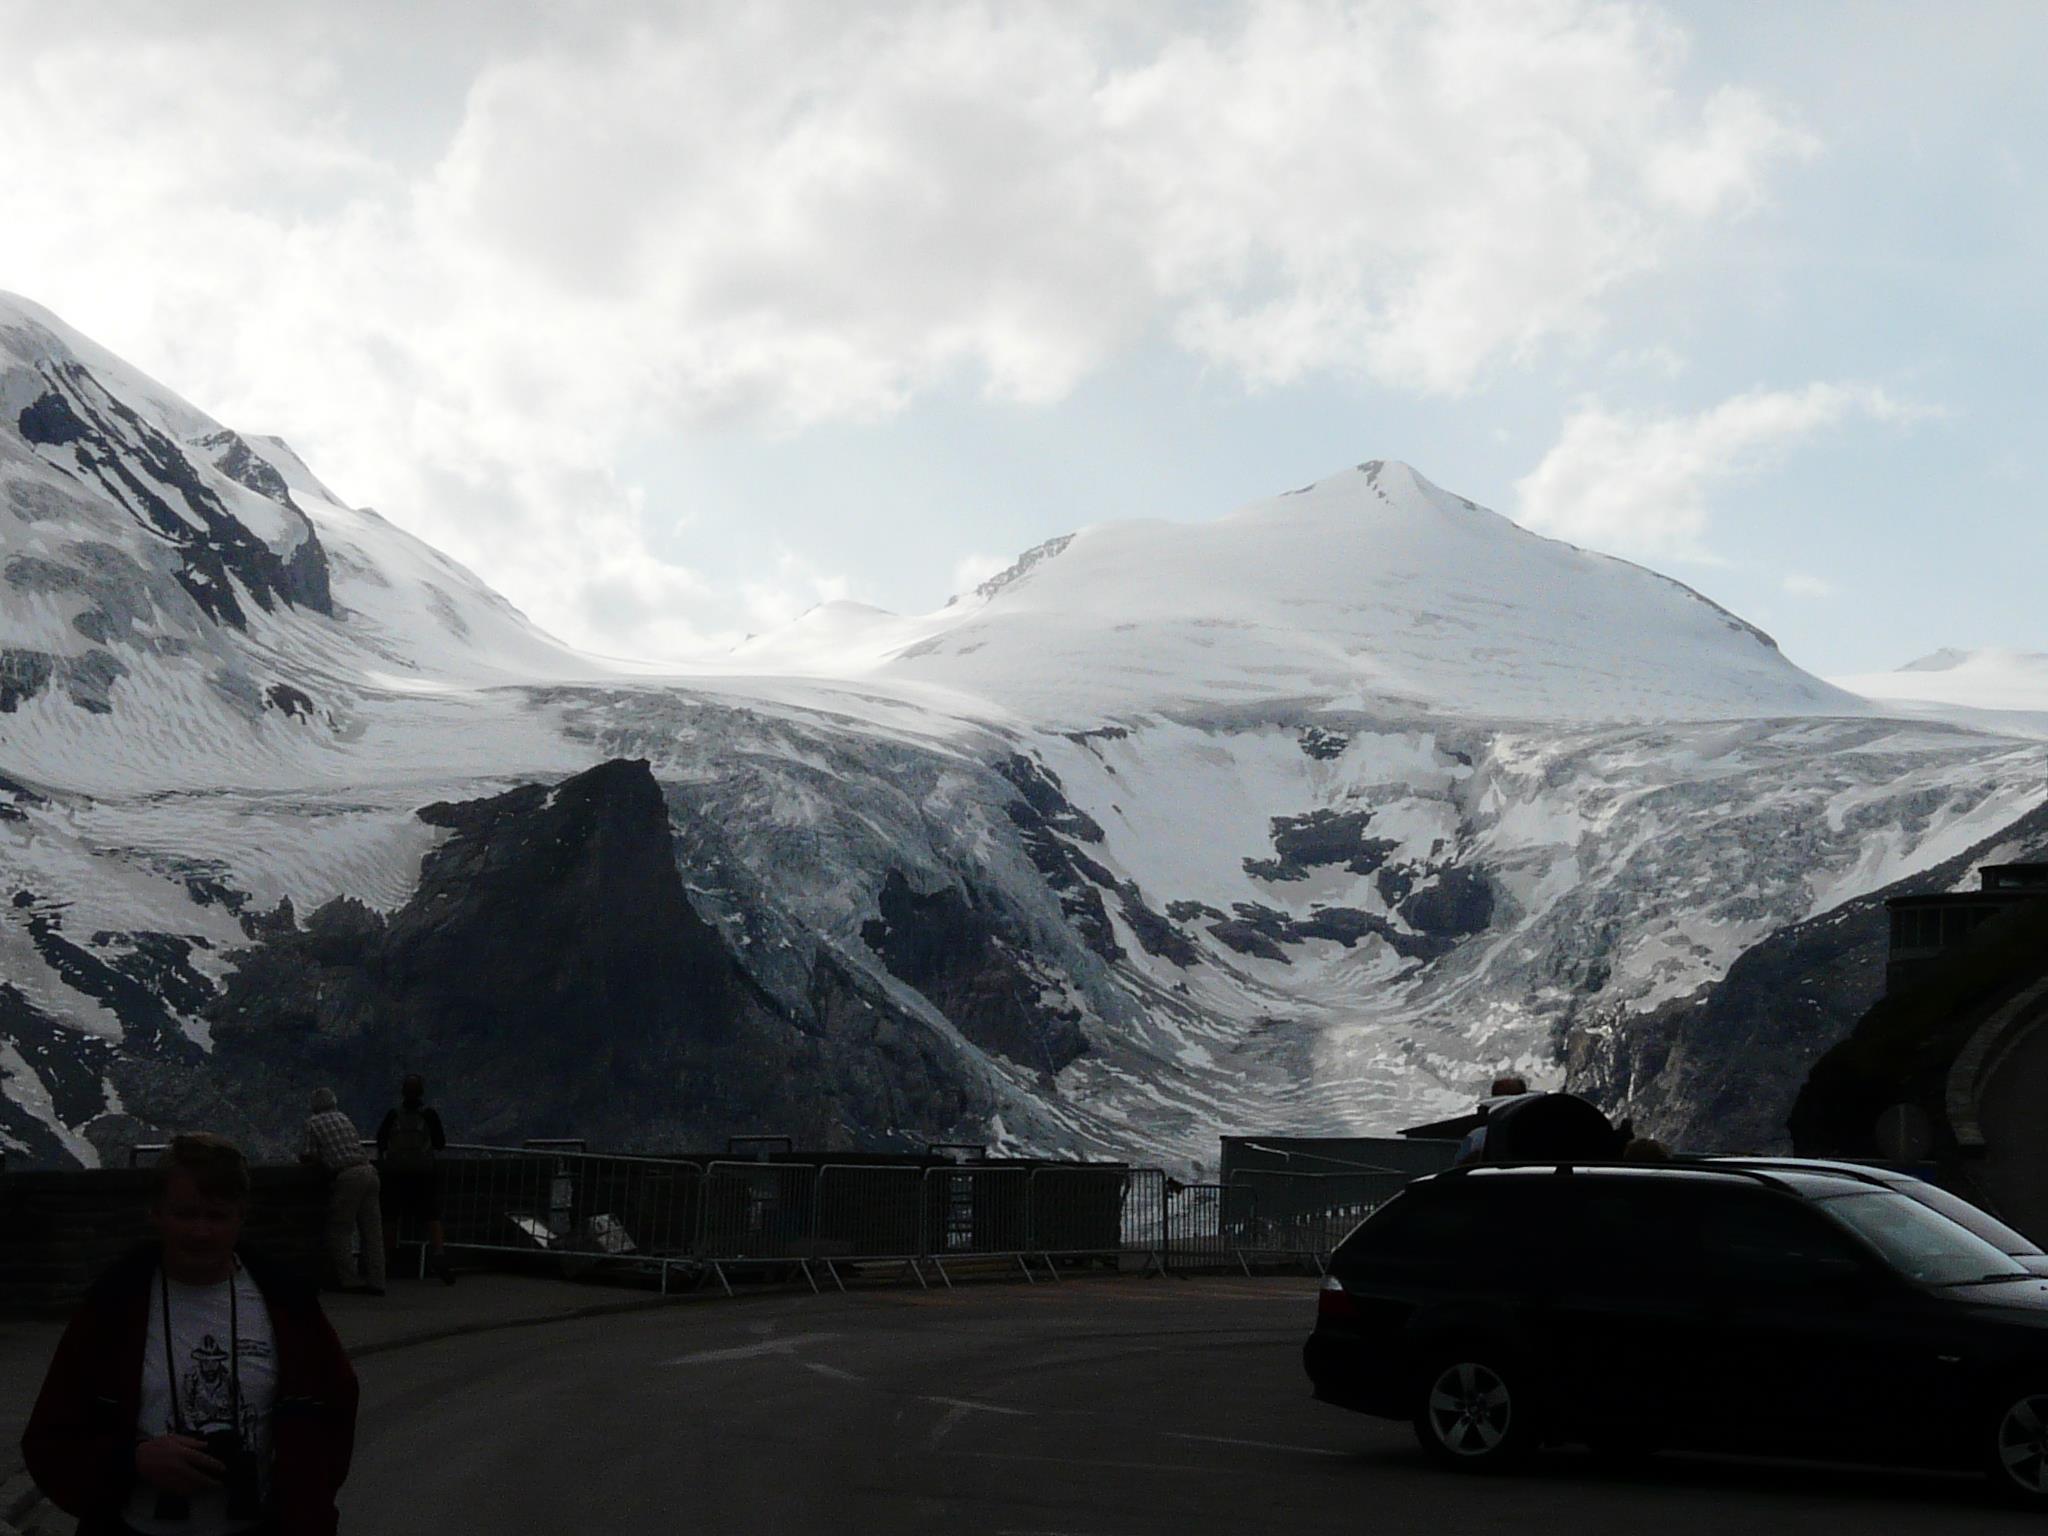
pixel 352 1212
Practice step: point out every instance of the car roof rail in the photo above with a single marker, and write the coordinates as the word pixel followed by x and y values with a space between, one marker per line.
pixel 1833 1169
pixel 1569 1165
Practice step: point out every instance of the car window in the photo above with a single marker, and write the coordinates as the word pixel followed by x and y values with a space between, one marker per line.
pixel 1918 1242
pixel 1468 1228
pixel 1968 1217
pixel 1759 1241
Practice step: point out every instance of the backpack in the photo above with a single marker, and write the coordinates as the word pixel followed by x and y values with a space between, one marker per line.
pixel 410 1144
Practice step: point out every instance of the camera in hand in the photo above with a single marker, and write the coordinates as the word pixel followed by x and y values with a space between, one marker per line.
pixel 240 1482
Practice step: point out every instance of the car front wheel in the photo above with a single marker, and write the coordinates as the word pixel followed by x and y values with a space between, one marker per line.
pixel 2018 1462
pixel 1474 1413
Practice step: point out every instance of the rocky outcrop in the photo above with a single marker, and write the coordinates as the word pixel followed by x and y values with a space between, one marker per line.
pixel 1459 904
pixel 1721 1068
pixel 950 947
pixel 1321 839
pixel 136 466
pixel 550 977
pixel 1049 827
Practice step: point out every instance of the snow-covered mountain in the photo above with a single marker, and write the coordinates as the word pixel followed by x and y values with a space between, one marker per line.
pixel 1991 678
pixel 1373 589
pixel 1310 818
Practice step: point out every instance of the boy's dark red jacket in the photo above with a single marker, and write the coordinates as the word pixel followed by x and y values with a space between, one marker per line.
pixel 80 1441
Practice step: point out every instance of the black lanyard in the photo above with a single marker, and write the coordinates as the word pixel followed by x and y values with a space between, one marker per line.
pixel 234 1349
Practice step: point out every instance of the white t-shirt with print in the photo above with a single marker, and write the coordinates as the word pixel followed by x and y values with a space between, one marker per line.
pixel 201 1330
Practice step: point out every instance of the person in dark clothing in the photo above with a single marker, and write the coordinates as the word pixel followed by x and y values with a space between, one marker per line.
pixel 198 1389
pixel 407 1142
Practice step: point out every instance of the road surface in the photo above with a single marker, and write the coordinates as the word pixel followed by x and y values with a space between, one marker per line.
pixel 1120 1407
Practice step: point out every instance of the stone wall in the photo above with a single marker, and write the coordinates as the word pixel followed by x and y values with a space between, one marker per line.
pixel 60 1227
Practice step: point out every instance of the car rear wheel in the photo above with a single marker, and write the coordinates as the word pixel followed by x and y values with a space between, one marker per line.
pixel 1474 1413
pixel 2018 1463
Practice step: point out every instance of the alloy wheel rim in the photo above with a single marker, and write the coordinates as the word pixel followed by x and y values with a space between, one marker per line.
pixel 1469 1409
pixel 2023 1443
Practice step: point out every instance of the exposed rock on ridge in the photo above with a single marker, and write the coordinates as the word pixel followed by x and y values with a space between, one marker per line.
pixel 550 977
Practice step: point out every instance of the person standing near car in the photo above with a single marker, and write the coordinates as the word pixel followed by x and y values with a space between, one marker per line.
pixel 198 1390
pixel 1508 1086
pixel 354 1203
pixel 407 1143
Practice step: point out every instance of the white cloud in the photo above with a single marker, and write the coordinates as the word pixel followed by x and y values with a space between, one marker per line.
pixel 796 587
pixel 1798 584
pixel 1636 484
pixel 463 271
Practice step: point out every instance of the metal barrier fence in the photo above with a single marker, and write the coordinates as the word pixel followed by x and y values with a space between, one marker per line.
pixel 758 1213
pixel 869 1217
pixel 852 1220
pixel 1079 1213
pixel 1306 1215
pixel 1206 1225
pixel 572 1204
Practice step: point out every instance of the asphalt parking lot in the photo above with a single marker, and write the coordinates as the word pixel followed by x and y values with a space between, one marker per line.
pixel 1089 1408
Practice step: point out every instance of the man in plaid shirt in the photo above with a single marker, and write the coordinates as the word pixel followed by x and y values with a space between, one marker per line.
pixel 333 1142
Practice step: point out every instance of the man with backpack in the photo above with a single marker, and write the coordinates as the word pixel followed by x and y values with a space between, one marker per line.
pixel 407 1142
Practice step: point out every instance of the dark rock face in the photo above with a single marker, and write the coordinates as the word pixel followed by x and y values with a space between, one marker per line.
pixel 1046 797
pixel 1321 839
pixel 1027 562
pixel 1458 904
pixel 1255 931
pixel 138 468
pixel 23 675
pixel 1324 746
pixel 1098 733
pixel 1721 1068
pixel 548 956
pixel 948 947
pixel 129 984
pixel 50 421
pixel 550 977
pixel 1261 931
pixel 70 1064
pixel 18 798
pixel 291 702
pixel 1049 826
pixel 87 680
pixel 1155 934
pixel 234 458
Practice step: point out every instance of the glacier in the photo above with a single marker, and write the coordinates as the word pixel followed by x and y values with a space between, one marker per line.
pixel 1309 819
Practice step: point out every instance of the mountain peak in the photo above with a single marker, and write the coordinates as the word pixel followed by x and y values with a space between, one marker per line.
pixel 1373 588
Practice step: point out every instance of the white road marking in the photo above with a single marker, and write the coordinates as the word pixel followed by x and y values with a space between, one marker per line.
pixel 833 1371
pixel 946 1425
pixel 1259 1445
pixel 968 1405
pixel 1176 1467
pixel 766 1347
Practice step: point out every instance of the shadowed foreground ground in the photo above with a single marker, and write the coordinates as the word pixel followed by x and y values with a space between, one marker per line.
pixel 1094 1407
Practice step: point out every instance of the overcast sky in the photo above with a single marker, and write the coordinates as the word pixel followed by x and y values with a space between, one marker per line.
pixel 671 320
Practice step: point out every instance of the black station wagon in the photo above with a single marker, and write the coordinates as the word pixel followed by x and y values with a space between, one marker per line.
pixel 1636 1307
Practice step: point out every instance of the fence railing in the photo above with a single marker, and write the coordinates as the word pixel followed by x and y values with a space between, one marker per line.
pixel 848 1220
pixel 1306 1215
